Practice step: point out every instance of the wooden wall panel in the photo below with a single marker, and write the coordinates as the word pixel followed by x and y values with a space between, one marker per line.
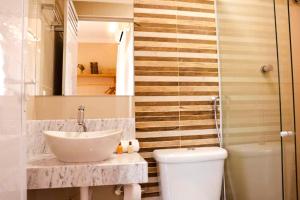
pixel 176 75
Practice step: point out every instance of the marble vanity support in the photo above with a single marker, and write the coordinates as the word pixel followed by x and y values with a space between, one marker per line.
pixel 36 144
pixel 48 172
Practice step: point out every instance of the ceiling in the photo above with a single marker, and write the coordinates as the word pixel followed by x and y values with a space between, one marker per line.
pixel 109 1
pixel 100 32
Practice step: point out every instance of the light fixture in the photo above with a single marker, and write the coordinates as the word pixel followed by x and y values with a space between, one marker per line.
pixel 113 26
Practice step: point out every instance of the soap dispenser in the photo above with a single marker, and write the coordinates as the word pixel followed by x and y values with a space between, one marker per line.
pixel 119 149
pixel 130 148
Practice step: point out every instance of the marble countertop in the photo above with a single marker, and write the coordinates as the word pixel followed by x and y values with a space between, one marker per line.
pixel 46 171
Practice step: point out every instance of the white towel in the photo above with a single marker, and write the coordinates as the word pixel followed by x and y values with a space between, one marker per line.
pixel 136 145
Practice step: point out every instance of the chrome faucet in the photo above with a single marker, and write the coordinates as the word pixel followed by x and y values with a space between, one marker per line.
pixel 80 119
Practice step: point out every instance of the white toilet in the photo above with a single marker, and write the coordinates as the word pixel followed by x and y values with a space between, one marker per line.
pixel 191 174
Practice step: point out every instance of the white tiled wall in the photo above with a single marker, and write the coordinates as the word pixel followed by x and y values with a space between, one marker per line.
pixel 12 155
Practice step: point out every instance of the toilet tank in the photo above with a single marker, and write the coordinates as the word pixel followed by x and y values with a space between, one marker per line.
pixel 191 174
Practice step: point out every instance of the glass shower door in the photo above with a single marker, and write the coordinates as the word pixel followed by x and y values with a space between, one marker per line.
pixel 257 104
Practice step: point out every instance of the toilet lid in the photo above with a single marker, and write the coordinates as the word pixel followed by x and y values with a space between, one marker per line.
pixel 189 155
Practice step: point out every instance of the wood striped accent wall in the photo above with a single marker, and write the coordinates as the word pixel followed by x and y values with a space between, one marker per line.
pixel 176 74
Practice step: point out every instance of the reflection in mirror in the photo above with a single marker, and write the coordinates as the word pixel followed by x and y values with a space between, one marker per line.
pixel 104 57
pixel 80 48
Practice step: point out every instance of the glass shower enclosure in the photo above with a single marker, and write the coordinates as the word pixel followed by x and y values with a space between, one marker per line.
pixel 257 99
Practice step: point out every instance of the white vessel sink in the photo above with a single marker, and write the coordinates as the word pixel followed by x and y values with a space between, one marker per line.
pixel 84 146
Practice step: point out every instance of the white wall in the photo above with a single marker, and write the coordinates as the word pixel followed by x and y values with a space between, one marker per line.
pixel 125 64
pixel 12 155
pixel 104 10
pixel 58 107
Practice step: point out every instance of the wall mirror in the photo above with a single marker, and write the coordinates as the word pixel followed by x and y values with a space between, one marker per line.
pixel 80 48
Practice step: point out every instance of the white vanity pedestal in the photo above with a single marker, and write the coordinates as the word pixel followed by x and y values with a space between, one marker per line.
pixel 84 193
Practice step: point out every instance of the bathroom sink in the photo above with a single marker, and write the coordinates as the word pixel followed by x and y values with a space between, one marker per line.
pixel 83 146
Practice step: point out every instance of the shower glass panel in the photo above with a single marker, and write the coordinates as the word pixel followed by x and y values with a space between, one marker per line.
pixel 256 104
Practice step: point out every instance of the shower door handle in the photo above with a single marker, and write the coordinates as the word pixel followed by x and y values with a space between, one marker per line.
pixel 266 68
pixel 286 133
